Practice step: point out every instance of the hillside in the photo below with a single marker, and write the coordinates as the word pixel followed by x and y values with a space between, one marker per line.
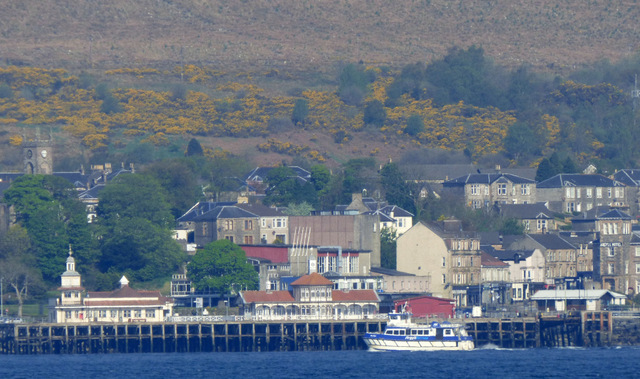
pixel 311 35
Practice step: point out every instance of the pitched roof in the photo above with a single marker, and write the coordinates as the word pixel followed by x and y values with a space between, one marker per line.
pixel 486 179
pixel 512 255
pixel 261 210
pixel 124 292
pixel 259 174
pixel 551 241
pixel 614 214
pixel 267 297
pixel 488 261
pixel 574 294
pixel 389 272
pixel 225 211
pixel 201 208
pixel 629 177
pixel 354 295
pixel 313 279
pixel 578 180
pixel 525 211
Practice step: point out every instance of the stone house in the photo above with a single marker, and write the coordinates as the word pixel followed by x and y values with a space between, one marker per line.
pixel 568 193
pixel 485 190
pixel 526 271
pixel 535 218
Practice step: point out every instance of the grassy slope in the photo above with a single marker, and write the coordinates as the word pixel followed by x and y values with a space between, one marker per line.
pixel 310 34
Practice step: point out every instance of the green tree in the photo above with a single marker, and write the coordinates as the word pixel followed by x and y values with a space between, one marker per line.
pixel 47 207
pixel 300 111
pixel 285 188
pixel 194 148
pixel 415 125
pixel 320 176
pixel 388 248
pixel 569 166
pixel 302 209
pixel 521 141
pixel 220 266
pixel 374 113
pixel 134 196
pixel 179 180
pixel 140 249
pixel 397 192
pixel 134 220
pixel 353 84
pixel 511 226
pixel 544 171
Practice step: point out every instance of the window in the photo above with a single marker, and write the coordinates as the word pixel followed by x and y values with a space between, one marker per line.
pixel 570 192
pixel 228 225
pixel 444 278
pixel 611 269
pixel 114 313
pixel 599 193
pixel 637 251
pixel 137 313
pixel 525 190
pixel 476 204
pixel 230 238
pixel 150 313
pixel 609 193
pixel 204 228
pixel 459 262
pixel 589 192
pixel 526 225
pixel 475 189
pixel 542 224
pixel 102 313
pixel 400 223
pixel 610 251
pixel 263 222
pixel 279 223
pixel 322 264
pixel 67 314
pixel 444 261
pixel 502 189
pixel 126 313
pixel 571 207
pixel 248 240
pixel 248 224
pixel 619 192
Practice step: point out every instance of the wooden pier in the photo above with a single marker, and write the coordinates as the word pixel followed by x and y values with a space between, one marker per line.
pixel 522 332
pixel 579 329
pixel 185 337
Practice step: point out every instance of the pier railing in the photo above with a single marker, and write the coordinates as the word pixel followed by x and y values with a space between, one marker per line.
pixel 215 318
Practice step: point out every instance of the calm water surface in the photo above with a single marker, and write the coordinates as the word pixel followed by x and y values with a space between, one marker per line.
pixel 480 363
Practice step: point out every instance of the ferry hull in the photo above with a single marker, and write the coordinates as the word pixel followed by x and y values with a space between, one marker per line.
pixel 381 344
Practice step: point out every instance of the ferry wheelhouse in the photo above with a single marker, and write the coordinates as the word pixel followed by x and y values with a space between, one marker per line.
pixel 401 334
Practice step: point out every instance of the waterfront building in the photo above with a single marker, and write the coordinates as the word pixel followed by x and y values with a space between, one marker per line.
pixel 311 297
pixel 447 255
pixel 124 304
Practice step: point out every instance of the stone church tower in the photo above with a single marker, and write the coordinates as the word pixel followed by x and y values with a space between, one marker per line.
pixel 37 154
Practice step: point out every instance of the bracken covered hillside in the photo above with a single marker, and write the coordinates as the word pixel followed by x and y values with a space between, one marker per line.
pixel 306 34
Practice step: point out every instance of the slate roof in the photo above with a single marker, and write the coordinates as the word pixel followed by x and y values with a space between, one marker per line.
pixel 443 172
pixel 261 210
pixel 223 212
pixel 511 255
pixel 629 177
pixel 91 193
pixel 593 213
pixel 490 238
pixel 525 211
pixel 389 272
pixel 579 180
pixel 267 297
pixel 354 295
pixel 614 214
pixel 201 208
pixel 486 179
pixel 259 174
pixel 551 241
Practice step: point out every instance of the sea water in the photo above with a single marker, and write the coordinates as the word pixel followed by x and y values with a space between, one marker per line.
pixel 480 363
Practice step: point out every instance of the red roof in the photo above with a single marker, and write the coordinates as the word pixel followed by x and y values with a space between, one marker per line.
pixel 99 303
pixel 355 295
pixel 125 291
pixel 313 279
pixel 267 297
pixel 275 254
pixel 488 260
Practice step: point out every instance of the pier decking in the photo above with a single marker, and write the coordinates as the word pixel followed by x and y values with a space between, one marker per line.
pixel 580 329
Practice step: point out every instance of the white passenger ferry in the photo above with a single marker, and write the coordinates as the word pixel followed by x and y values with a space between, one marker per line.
pixel 401 334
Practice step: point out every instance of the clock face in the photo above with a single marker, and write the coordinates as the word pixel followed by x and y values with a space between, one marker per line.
pixel 43 153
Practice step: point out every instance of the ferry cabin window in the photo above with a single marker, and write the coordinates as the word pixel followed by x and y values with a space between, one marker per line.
pixel 448 332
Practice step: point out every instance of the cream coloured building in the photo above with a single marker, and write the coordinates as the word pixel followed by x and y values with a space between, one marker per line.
pixel 124 304
pixel 449 257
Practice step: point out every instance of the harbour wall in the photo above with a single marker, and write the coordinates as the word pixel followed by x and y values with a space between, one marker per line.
pixel 578 329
